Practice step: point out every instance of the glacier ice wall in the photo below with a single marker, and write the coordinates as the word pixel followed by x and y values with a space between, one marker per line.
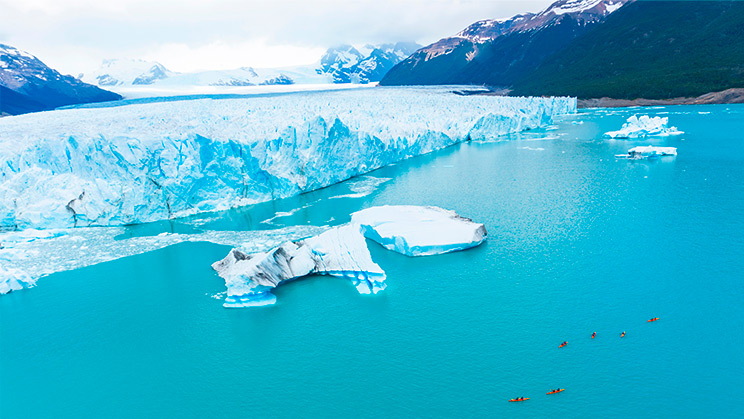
pixel 145 162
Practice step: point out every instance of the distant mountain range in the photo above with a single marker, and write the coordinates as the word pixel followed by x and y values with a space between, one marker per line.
pixel 342 64
pixel 28 85
pixel 498 52
pixel 621 49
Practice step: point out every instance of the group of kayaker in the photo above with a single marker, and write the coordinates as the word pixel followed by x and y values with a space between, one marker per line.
pixel 564 343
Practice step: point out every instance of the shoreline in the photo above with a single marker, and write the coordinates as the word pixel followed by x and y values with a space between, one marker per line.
pixel 730 96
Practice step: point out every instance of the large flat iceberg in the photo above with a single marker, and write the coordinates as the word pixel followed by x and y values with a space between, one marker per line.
pixel 418 231
pixel 342 251
pixel 645 126
pixel 144 162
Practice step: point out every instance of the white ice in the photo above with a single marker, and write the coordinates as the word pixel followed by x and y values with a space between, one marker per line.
pixel 146 162
pixel 342 251
pixel 28 255
pixel 418 231
pixel 645 126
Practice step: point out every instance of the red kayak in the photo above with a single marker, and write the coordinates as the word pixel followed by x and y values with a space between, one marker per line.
pixel 594 334
pixel 652 320
pixel 556 391
pixel 519 399
pixel 563 344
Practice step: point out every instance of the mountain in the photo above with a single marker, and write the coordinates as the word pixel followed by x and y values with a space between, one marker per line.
pixel 343 64
pixel 497 52
pixel 346 64
pixel 28 85
pixel 127 72
pixel 653 50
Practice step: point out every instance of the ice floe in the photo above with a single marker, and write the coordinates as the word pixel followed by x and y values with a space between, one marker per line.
pixel 644 126
pixel 28 255
pixel 418 231
pixel 342 251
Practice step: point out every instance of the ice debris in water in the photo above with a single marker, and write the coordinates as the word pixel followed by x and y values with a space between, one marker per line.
pixel 28 255
pixel 644 126
pixel 145 162
pixel 342 251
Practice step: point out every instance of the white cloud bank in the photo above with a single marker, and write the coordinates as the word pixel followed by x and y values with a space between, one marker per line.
pixel 186 35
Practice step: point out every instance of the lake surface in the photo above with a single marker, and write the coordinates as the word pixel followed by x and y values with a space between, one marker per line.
pixel 579 242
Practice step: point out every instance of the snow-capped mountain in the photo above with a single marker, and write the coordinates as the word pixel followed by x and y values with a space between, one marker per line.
pixel 28 85
pixel 127 72
pixel 344 64
pixel 347 64
pixel 496 51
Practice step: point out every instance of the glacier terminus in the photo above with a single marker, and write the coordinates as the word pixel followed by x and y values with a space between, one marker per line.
pixel 139 163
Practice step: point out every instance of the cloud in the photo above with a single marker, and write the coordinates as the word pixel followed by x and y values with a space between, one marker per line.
pixel 75 35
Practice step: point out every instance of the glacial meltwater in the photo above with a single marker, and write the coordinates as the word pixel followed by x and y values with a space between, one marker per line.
pixel 578 242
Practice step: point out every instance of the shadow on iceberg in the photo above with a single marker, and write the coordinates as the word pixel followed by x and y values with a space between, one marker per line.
pixel 342 251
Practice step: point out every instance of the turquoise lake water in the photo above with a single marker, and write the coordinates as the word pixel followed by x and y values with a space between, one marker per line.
pixel 579 242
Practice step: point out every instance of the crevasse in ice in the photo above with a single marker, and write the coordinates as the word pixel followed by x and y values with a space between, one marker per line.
pixel 145 162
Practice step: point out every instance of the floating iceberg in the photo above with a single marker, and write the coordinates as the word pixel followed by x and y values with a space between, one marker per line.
pixel 342 251
pixel 418 231
pixel 150 161
pixel 644 126
pixel 648 152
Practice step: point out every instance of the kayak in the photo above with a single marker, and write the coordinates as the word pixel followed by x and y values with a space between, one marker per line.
pixel 652 320
pixel 594 334
pixel 563 344
pixel 622 335
pixel 519 400
pixel 556 391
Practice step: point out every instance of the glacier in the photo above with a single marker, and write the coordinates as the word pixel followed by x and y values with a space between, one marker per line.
pixel 418 231
pixel 644 126
pixel 139 163
pixel 342 251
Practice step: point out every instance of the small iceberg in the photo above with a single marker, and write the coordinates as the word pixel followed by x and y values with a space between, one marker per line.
pixel 644 126
pixel 342 251
pixel 647 152
pixel 418 231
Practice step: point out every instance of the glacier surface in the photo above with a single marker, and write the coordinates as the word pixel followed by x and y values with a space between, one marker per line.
pixel 418 231
pixel 342 251
pixel 146 162
pixel 645 126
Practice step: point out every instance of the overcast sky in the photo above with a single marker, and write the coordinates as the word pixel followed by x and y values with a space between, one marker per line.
pixel 74 36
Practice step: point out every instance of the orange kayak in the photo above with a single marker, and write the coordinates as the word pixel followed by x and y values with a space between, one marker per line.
pixel 519 400
pixel 563 344
pixel 594 334
pixel 556 391
pixel 652 320
pixel 622 335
